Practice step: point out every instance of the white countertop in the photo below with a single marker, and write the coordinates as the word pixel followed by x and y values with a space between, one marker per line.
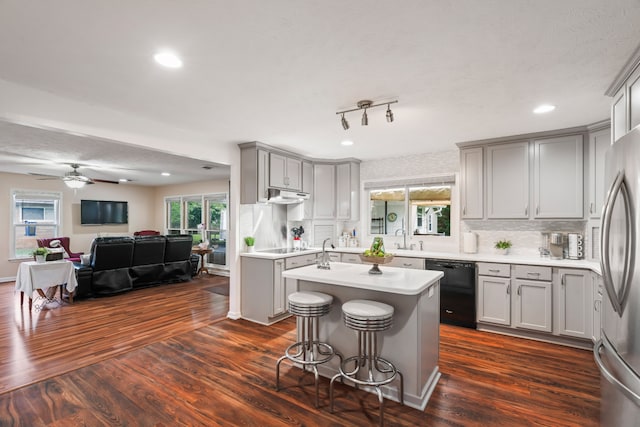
pixel 454 256
pixel 402 281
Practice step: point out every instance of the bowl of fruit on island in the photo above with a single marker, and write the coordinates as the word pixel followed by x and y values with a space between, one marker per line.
pixel 376 255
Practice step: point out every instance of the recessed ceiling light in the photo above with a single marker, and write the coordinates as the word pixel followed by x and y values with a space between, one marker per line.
pixel 346 143
pixel 545 108
pixel 168 59
pixel 165 174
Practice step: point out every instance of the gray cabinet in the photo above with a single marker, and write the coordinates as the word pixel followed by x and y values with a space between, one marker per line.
pixel 494 293
pixel 307 187
pixel 264 291
pixel 598 289
pixel 558 178
pixel 619 114
pixel 351 258
pixel 532 298
pixel 633 92
pixel 471 183
pixel 324 191
pixel 347 191
pixel 285 172
pixel 574 302
pixel 508 181
pixel 336 191
pixel 254 164
pixel 599 143
pixel 407 262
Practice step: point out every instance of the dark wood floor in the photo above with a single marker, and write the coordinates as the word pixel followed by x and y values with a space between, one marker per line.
pixel 167 357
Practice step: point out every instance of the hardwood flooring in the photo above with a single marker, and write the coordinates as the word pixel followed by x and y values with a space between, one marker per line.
pixel 167 357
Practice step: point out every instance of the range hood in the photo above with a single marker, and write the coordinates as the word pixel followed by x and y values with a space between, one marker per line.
pixel 285 197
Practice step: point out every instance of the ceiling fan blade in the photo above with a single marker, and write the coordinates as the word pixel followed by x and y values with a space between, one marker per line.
pixel 106 181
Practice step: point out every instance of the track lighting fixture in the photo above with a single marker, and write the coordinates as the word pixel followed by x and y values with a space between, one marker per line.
pixel 365 105
pixel 345 123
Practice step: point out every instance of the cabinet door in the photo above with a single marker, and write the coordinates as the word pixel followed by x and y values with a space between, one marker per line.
pixel 471 183
pixel 263 175
pixel 279 302
pixel 351 258
pixel 508 180
pixel 277 170
pixel 307 187
pixel 599 143
pixel 494 300
pixel 324 191
pixel 293 174
pixel 575 303
pixel 343 191
pixel 619 114
pixel 532 305
pixel 558 182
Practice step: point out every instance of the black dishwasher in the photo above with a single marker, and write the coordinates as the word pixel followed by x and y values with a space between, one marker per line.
pixel 457 292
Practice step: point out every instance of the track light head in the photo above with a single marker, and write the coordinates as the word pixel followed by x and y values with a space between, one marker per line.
pixel 389 114
pixel 345 123
pixel 365 118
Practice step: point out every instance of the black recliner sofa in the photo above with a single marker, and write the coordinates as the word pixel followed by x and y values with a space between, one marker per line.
pixel 119 264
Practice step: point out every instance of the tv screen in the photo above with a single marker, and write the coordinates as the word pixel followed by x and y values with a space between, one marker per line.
pixel 98 212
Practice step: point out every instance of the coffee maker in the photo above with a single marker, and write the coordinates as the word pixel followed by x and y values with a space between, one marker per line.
pixel 556 245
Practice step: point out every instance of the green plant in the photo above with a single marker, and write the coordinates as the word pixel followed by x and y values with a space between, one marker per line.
pixel 40 251
pixel 249 240
pixel 503 244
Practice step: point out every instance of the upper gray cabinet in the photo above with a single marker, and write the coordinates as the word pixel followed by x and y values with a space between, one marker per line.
pixel 471 186
pixel 625 103
pixel 508 181
pixel 537 176
pixel 285 172
pixel 558 177
pixel 599 143
pixel 254 164
pixel 336 191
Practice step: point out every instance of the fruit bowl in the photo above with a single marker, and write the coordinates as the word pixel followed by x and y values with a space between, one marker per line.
pixel 376 260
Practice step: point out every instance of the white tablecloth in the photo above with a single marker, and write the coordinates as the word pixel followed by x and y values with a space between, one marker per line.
pixel 33 275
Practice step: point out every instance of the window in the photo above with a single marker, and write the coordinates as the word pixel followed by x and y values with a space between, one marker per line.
pixel 413 206
pixel 35 215
pixel 204 217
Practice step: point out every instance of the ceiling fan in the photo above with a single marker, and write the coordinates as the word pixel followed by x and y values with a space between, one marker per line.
pixel 75 179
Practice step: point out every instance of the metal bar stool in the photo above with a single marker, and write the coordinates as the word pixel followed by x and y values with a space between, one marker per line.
pixel 369 369
pixel 309 351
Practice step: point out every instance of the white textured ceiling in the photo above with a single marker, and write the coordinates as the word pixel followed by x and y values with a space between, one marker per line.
pixel 277 71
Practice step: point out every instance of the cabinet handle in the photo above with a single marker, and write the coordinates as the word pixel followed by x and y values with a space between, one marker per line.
pixel 406 265
pixel 464 210
pixel 519 286
pixel 591 208
pixel 508 289
pixel 526 210
pixel 448 311
pixel 596 305
pixel 537 210
pixel 533 274
pixel 562 280
pixel 493 270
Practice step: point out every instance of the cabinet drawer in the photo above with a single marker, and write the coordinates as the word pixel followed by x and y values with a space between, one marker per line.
pixel 533 272
pixel 493 269
pixel 299 261
pixel 405 262
pixel 334 256
pixel 352 258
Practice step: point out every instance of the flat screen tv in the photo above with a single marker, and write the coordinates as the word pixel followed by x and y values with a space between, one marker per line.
pixel 99 212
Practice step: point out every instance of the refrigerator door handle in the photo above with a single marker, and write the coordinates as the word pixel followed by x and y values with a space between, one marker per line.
pixel 617 299
pixel 608 375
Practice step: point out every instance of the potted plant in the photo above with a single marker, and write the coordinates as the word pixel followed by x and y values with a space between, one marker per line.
pixel 502 246
pixel 40 254
pixel 249 241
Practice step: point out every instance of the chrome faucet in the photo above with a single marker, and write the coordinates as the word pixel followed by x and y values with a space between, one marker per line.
pixel 404 240
pixel 324 261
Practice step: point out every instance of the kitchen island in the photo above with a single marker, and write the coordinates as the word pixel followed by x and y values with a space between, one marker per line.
pixel 412 342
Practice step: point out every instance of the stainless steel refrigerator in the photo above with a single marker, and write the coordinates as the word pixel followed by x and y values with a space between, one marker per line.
pixel 618 353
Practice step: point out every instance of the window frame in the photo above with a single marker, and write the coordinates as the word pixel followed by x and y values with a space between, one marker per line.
pixel 17 221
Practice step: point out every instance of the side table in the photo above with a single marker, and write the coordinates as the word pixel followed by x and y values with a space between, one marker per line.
pixel 202 252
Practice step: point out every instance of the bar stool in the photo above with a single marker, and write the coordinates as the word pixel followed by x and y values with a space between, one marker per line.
pixel 366 318
pixel 308 306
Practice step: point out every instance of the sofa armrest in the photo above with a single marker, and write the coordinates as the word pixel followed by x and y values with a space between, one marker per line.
pixel 84 276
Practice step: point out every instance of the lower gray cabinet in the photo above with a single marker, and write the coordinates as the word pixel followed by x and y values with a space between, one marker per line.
pixel 575 299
